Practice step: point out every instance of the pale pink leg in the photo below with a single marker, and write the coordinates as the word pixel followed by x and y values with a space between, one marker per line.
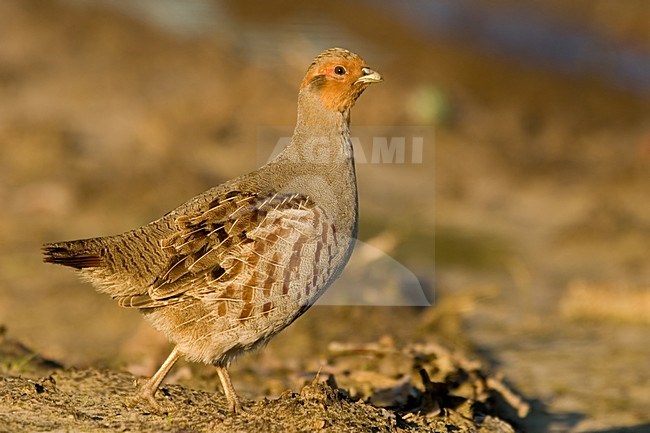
pixel 229 390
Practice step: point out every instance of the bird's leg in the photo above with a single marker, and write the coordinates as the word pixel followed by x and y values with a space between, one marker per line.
pixel 148 390
pixel 229 390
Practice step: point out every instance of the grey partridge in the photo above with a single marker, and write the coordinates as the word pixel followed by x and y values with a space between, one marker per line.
pixel 232 267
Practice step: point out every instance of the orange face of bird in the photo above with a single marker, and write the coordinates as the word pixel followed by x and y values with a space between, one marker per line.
pixel 339 77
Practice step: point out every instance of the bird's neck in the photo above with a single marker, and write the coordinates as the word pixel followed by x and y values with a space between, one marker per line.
pixel 321 136
pixel 320 159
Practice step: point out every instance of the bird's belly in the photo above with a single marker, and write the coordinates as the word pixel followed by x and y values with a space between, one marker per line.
pixel 263 300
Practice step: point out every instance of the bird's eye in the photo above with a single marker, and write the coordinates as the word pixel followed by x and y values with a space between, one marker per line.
pixel 339 70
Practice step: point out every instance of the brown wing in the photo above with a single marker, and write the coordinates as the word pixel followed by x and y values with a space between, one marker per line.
pixel 241 246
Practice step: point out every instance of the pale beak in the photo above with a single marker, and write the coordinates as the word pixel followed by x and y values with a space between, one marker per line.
pixel 369 76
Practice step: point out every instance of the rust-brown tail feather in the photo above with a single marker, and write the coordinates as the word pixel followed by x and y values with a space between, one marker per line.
pixel 71 254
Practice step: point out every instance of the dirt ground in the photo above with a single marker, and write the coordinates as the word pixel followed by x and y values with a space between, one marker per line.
pixel 525 223
pixel 450 391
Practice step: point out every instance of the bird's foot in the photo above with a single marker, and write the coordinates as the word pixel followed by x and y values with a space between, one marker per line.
pixel 147 397
pixel 237 408
pixel 231 396
pixel 234 406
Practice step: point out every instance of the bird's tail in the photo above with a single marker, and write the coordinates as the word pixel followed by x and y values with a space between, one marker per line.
pixel 81 254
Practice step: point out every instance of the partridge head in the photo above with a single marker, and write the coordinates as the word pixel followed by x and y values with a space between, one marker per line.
pixel 338 77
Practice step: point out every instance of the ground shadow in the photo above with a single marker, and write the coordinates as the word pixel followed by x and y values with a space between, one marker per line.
pixel 641 428
pixel 539 419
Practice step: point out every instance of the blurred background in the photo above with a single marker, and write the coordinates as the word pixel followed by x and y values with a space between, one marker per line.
pixel 526 223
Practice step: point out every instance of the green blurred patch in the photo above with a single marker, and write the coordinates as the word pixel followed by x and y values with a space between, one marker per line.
pixel 469 249
pixel 445 245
